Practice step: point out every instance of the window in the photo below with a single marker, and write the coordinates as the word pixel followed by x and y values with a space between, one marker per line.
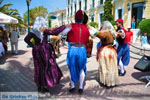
pixel 101 18
pixel 68 11
pixel 92 18
pixel 101 2
pixel 80 5
pixel 93 3
pixel 71 10
pixel 85 5
pixel 120 13
pixel 68 2
pixel 75 8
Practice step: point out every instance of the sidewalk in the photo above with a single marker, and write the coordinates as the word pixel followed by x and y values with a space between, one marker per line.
pixel 17 75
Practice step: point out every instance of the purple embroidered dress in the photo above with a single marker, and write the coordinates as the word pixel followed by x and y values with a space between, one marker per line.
pixel 47 72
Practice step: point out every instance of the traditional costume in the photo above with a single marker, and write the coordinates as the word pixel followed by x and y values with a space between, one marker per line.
pixel 123 57
pixel 89 47
pixel 77 36
pixel 47 72
pixel 55 41
pixel 107 56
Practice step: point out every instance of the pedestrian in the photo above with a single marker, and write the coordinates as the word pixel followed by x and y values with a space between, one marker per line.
pixel 14 36
pixel 133 23
pixel 4 38
pixel 144 43
pixel 107 56
pixel 77 36
pixel 47 73
pixel 2 51
pixel 123 57
pixel 129 36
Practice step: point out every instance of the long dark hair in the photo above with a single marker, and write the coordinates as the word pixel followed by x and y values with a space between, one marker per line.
pixel 85 19
pixel 1 28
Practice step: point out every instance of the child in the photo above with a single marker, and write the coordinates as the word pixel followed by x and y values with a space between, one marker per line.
pixel 143 42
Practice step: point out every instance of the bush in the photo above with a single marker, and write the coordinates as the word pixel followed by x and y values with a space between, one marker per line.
pixel 144 26
pixel 113 23
pixel 94 24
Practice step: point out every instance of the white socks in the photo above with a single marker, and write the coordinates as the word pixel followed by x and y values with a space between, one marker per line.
pixel 121 66
pixel 72 84
pixel 81 80
pixel 82 77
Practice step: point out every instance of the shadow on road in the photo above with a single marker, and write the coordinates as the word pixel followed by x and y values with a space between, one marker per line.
pixel 9 54
pixel 17 78
pixel 137 75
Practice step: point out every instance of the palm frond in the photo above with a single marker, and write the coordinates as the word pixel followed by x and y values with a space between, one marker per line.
pixel 1 1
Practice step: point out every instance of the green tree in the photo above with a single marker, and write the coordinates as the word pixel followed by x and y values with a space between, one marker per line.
pixel 93 24
pixel 35 12
pixel 108 10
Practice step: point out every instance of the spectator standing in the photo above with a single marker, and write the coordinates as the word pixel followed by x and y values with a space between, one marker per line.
pixel 144 43
pixel 129 36
pixel 14 36
pixel 133 22
pixel 3 38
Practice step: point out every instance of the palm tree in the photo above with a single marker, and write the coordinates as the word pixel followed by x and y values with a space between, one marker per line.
pixel 62 15
pixel 4 8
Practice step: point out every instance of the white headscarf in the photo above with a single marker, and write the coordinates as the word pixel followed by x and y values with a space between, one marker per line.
pixel 108 26
pixel 39 23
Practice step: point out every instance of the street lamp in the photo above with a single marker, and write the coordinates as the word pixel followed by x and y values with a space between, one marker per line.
pixel 28 4
pixel 128 5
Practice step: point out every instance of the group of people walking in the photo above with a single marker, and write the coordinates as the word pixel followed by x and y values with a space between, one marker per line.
pixel 48 74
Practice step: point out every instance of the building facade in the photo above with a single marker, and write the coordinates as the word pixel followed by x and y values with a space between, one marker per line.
pixel 60 17
pixel 124 9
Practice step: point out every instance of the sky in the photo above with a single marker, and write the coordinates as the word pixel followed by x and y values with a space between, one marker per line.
pixel 21 5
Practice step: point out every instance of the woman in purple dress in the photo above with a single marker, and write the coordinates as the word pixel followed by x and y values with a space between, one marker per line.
pixel 47 73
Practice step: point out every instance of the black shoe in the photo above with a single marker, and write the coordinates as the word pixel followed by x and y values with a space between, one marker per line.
pixel 80 91
pixel 43 90
pixel 39 89
pixel 119 71
pixel 72 90
pixel 122 74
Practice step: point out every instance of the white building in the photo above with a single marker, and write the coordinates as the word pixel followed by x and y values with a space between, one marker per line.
pixel 124 9
pixel 60 17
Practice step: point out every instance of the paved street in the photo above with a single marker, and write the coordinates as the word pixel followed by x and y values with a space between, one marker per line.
pixel 16 75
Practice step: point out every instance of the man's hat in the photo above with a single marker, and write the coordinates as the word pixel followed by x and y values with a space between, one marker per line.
pixel 120 20
pixel 79 15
